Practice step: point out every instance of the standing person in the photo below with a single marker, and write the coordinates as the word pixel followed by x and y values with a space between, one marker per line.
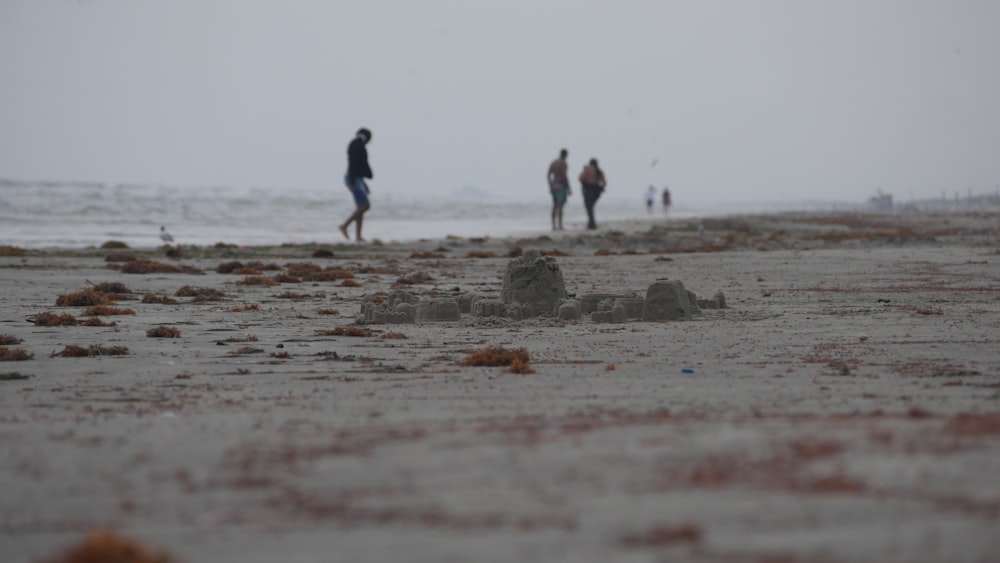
pixel 650 197
pixel 666 199
pixel 357 171
pixel 592 182
pixel 559 186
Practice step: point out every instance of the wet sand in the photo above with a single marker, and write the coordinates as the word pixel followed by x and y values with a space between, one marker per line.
pixel 844 407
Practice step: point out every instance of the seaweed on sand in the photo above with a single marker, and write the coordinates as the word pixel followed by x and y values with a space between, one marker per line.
pixel 75 351
pixel 14 354
pixel 163 332
pixel 516 360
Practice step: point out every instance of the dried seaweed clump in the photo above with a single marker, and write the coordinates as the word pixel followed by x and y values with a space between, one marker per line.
pixel 258 280
pixel 7 250
pixel 151 297
pixel 154 267
pixel 248 269
pixel 496 356
pixel 113 245
pixel 107 310
pixel 246 338
pixel 313 273
pixel 14 354
pixel 228 267
pixel 111 288
pixel 344 331
pixel 422 254
pixel 8 340
pixel 102 546
pixel 49 318
pixel 163 332
pixel 413 279
pixel 74 351
pixel 86 298
pixel 201 293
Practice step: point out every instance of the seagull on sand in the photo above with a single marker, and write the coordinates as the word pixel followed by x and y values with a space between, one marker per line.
pixel 164 235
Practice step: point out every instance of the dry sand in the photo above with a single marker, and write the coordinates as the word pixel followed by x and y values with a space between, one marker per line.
pixel 845 407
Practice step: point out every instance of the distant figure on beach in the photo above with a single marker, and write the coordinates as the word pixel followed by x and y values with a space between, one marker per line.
pixel 164 235
pixel 650 198
pixel 357 171
pixel 559 187
pixel 592 182
pixel 666 200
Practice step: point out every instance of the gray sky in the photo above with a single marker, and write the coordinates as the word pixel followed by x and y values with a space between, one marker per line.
pixel 737 100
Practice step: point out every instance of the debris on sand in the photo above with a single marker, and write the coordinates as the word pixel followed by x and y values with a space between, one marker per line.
pixel 201 293
pixel 49 318
pixel 163 332
pixel 107 310
pixel 86 298
pixel 96 350
pixel 8 340
pixel 516 360
pixel 106 546
pixel 14 354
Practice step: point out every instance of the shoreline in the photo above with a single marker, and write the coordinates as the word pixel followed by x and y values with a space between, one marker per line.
pixel 632 228
pixel 849 391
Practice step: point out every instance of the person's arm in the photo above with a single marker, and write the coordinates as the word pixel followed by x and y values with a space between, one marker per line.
pixel 364 160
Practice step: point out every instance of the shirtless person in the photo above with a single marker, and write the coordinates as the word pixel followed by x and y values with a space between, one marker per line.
pixel 559 186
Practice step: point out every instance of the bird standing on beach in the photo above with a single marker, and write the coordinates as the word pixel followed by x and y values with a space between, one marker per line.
pixel 164 235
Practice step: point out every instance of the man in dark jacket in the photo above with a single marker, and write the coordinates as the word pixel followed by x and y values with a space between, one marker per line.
pixel 357 171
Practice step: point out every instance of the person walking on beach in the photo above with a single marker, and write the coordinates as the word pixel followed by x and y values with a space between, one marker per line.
pixel 650 198
pixel 559 186
pixel 357 171
pixel 666 200
pixel 592 182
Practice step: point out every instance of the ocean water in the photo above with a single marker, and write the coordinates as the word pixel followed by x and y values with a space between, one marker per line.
pixel 77 215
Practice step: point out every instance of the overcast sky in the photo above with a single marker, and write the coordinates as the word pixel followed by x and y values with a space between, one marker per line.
pixel 734 100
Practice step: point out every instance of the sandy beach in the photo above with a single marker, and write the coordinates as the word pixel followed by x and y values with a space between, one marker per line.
pixel 843 406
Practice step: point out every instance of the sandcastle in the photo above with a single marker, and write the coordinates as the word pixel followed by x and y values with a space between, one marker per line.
pixel 533 286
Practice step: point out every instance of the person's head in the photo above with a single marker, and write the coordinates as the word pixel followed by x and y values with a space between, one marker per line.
pixel 563 154
pixel 593 162
pixel 364 134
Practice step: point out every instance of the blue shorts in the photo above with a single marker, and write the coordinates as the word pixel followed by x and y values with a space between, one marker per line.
pixel 358 189
pixel 559 193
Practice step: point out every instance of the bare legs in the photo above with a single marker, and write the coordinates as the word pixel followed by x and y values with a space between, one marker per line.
pixel 357 218
pixel 557 216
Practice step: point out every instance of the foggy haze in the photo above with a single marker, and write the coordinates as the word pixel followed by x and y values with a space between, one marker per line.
pixel 734 101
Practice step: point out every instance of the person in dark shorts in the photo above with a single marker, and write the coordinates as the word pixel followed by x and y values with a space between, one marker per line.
pixel 592 182
pixel 559 187
pixel 354 179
